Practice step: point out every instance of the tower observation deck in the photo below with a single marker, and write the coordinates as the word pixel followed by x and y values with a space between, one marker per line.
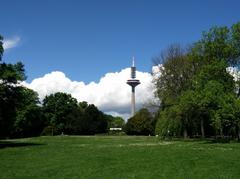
pixel 133 82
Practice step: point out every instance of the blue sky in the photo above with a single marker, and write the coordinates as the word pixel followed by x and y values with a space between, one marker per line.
pixel 87 39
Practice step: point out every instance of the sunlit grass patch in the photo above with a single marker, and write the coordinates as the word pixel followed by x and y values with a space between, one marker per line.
pixel 117 157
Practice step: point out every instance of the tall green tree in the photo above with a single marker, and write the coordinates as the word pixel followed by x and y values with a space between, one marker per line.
pixel 58 107
pixel 10 76
pixel 201 104
pixel 30 119
pixel 176 73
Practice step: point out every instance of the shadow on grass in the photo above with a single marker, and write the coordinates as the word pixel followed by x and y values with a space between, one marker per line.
pixel 210 140
pixel 6 144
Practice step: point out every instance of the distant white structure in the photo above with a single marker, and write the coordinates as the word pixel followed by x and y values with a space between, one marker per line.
pixel 115 129
pixel 133 82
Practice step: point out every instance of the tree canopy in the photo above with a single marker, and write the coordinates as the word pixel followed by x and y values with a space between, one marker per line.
pixel 197 93
pixel 10 93
pixel 142 123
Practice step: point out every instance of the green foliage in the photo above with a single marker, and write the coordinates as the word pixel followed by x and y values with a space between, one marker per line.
pixel 29 122
pixel 176 74
pixel 8 102
pixel 216 71
pixel 168 123
pixel 94 121
pixel 29 116
pixel 198 95
pixel 114 122
pixel 12 73
pixel 57 108
pixel 83 105
pixel 66 115
pixel 219 43
pixel 142 123
pixel 10 92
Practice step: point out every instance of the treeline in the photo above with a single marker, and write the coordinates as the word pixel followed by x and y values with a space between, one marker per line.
pixel 22 114
pixel 59 113
pixel 198 88
pixel 198 92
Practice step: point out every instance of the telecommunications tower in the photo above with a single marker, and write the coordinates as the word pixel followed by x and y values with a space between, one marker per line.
pixel 133 82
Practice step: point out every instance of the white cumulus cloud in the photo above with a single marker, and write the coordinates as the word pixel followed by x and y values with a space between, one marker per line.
pixel 111 94
pixel 11 42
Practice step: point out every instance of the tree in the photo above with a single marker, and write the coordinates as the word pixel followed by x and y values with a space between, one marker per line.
pixel 188 112
pixel 66 115
pixel 201 102
pixel 237 118
pixel 219 43
pixel 169 122
pixel 142 123
pixel 10 76
pixel 30 120
pixel 175 76
pixel 74 122
pixel 57 108
pixel 12 98
pixel 83 105
pixel 94 121
pixel 114 122
pixel 211 83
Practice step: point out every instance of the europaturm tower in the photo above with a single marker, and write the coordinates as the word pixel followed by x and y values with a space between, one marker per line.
pixel 133 82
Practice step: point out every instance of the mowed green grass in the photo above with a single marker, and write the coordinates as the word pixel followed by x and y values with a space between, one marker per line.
pixel 117 157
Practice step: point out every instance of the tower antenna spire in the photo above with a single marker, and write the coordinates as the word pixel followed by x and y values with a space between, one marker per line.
pixel 133 62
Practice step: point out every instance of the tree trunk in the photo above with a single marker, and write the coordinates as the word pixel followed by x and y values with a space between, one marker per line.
pixel 202 128
pixel 185 134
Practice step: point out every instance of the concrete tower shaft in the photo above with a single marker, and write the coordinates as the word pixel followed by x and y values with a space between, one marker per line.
pixel 133 82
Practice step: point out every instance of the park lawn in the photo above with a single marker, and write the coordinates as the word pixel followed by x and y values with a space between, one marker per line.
pixel 117 157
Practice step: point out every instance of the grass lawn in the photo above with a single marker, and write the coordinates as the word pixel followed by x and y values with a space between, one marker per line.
pixel 117 157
